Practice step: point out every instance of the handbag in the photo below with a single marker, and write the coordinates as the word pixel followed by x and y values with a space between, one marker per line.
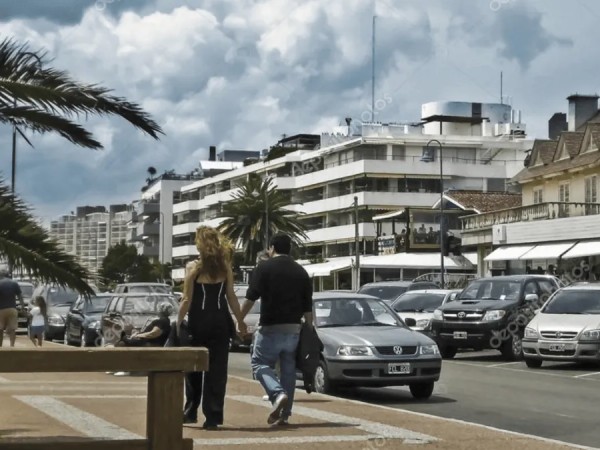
pixel 178 340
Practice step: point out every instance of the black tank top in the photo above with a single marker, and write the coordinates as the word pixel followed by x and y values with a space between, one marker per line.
pixel 208 309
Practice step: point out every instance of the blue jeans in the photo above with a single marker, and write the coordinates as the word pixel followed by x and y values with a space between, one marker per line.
pixel 270 347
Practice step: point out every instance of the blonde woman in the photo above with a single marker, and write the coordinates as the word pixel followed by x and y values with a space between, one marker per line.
pixel 207 291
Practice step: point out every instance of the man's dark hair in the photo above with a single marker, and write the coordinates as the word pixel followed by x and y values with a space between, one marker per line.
pixel 282 244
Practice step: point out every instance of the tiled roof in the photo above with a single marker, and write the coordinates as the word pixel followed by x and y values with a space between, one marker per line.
pixel 485 201
pixel 545 148
pixel 572 140
pixel 579 160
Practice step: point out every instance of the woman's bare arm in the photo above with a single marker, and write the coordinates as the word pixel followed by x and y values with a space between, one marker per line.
pixel 234 303
pixel 188 286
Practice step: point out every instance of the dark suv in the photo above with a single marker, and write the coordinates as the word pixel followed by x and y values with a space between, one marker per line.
pixel 388 291
pixel 491 313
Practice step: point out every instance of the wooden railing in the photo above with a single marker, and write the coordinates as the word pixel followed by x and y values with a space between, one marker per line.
pixel 165 368
pixel 540 211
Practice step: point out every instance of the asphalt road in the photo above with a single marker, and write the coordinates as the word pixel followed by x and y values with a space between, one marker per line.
pixel 558 401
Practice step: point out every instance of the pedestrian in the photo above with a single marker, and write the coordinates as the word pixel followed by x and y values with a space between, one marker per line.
pixel 9 316
pixel 38 321
pixel 208 290
pixel 285 290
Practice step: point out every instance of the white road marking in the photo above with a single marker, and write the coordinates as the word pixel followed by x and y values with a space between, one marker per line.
pixel 74 382
pixel 4 380
pixel 533 372
pixel 443 419
pixel 286 440
pixel 98 396
pixel 374 429
pixel 503 364
pixel 587 375
pixel 79 420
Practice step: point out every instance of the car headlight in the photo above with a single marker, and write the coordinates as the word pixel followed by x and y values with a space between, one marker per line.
pixel 55 320
pixel 423 323
pixel 590 335
pixel 495 314
pixel 354 350
pixel 530 333
pixel 430 350
pixel 94 325
pixel 438 314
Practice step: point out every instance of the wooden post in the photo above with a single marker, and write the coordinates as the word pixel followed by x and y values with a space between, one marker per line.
pixel 164 416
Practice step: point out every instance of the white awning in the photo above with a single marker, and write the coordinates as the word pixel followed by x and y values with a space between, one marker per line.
pixel 547 251
pixel 589 248
pixel 472 258
pixel 332 265
pixel 508 253
pixel 407 260
pixel 388 215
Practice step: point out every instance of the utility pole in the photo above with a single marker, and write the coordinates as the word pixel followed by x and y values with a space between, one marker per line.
pixel 357 244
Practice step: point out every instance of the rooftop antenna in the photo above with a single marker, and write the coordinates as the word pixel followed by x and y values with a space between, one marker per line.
pixel 373 71
pixel 501 96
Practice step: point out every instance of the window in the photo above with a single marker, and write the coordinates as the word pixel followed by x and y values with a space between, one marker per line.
pixel 538 196
pixel 591 189
pixel 563 196
pixel 398 152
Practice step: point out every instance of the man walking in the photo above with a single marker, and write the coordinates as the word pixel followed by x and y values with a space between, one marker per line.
pixel 285 290
pixel 9 292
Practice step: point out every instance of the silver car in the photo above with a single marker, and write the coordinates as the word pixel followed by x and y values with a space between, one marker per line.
pixel 416 308
pixel 365 344
pixel 567 328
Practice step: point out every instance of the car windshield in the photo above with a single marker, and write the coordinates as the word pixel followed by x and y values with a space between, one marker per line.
pixel 418 302
pixel 149 289
pixel 26 290
pixel 491 290
pixel 61 296
pixel 97 304
pixel 147 304
pixel 574 302
pixel 383 292
pixel 347 312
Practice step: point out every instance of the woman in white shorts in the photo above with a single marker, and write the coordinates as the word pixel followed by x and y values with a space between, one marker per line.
pixel 39 318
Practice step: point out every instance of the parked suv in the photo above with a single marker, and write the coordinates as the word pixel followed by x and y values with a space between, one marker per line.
pixel 388 291
pixel 567 328
pixel 491 313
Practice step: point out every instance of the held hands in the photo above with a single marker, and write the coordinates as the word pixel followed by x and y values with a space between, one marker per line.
pixel 242 329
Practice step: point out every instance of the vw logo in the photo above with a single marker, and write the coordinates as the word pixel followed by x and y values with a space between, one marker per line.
pixel 461 315
pixel 397 349
pixel 558 335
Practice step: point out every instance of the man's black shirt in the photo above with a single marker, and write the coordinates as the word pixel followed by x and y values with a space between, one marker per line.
pixel 165 326
pixel 285 290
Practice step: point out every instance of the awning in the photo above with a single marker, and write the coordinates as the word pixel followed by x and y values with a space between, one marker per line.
pixel 589 248
pixel 388 215
pixel 472 258
pixel 326 268
pixel 408 261
pixel 508 253
pixel 547 251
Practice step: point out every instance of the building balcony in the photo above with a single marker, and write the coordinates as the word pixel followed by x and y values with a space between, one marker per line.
pixel 341 233
pixel 147 208
pixel 540 211
pixel 148 229
pixel 185 250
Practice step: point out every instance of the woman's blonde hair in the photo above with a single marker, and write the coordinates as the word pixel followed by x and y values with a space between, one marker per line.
pixel 216 252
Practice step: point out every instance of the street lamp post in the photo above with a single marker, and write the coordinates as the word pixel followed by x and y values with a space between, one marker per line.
pixel 161 257
pixel 356 243
pixel 429 158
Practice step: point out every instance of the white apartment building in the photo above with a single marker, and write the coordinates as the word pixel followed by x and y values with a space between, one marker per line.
pixel 383 165
pixel 90 232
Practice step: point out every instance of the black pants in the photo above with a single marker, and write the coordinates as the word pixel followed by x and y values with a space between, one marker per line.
pixel 208 387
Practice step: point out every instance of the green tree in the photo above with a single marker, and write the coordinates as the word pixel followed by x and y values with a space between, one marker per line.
pixel 39 98
pixel 27 248
pixel 122 264
pixel 255 206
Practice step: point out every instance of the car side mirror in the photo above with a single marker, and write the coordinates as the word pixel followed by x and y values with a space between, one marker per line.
pixel 537 311
pixel 410 322
pixel 530 298
pixel 453 296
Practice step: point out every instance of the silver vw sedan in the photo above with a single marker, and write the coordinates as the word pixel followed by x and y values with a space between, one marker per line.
pixel 567 328
pixel 367 344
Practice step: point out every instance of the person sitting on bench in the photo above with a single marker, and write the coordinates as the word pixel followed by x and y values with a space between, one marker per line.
pixel 155 334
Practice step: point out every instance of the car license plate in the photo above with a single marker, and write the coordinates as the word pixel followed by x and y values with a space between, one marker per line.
pixel 403 368
pixel 460 335
pixel 557 347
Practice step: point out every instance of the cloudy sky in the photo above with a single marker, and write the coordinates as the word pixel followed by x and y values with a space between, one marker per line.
pixel 240 73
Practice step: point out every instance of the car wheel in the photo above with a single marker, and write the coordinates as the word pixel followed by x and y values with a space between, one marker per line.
pixel 448 352
pixel 322 383
pixel 421 391
pixel 512 349
pixel 533 363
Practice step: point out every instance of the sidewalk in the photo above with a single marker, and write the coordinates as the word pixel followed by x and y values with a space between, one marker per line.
pixel 98 405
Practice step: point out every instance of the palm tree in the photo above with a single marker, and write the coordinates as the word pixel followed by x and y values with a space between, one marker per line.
pixel 46 100
pixel 26 246
pixel 151 172
pixel 42 99
pixel 256 205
